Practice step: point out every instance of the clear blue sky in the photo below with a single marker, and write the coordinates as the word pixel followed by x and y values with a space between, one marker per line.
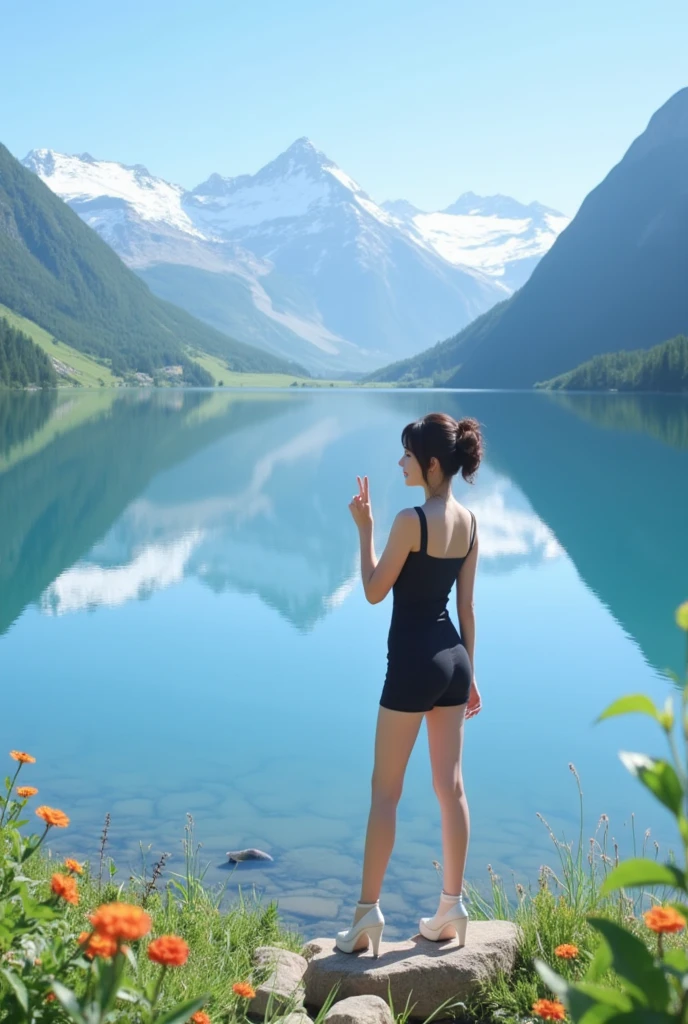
pixel 416 99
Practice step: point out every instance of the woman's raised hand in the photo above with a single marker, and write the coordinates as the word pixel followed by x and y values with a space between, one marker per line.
pixel 360 506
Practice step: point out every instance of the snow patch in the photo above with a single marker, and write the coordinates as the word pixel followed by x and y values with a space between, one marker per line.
pixel 77 181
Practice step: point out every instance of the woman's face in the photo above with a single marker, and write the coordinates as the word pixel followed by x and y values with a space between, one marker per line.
pixel 413 476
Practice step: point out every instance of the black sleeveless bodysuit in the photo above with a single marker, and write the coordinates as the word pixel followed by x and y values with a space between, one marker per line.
pixel 427 663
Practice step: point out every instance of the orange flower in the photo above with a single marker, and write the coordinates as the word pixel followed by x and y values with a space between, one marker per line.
pixel 242 988
pixel 51 997
pixel 73 865
pixel 549 1009
pixel 51 816
pixel 121 921
pixel 169 950
pixel 26 791
pixel 664 919
pixel 567 951
pixel 200 1018
pixel 19 755
pixel 65 886
pixel 97 945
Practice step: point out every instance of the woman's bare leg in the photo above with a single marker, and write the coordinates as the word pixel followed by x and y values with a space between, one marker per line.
pixel 445 738
pixel 395 736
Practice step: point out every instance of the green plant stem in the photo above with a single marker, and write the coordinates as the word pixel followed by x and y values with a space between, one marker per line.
pixel 9 793
pixel 158 986
pixel 47 827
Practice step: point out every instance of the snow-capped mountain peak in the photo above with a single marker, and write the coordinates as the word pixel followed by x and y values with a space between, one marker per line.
pixel 300 182
pixel 300 259
pixel 496 235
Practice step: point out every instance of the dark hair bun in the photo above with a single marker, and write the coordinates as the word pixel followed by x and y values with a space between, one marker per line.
pixel 469 447
pixel 456 446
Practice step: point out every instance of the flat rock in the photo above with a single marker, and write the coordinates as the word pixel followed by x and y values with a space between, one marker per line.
pixel 426 973
pixel 284 983
pixel 360 1010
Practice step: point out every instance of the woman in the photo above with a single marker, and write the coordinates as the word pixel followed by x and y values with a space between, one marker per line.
pixel 429 666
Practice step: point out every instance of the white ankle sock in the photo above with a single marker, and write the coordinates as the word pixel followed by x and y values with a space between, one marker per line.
pixel 446 901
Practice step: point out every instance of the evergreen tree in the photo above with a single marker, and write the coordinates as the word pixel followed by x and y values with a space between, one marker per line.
pixel 22 362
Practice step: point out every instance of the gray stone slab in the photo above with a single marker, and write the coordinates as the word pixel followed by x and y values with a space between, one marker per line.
pixel 426 973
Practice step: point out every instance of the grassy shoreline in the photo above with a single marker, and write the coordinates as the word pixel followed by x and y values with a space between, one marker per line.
pixel 223 934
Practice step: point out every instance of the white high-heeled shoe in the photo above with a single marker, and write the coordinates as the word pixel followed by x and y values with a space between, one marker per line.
pixel 369 926
pixel 450 920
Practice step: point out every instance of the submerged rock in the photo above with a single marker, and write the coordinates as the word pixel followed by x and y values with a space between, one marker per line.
pixel 250 854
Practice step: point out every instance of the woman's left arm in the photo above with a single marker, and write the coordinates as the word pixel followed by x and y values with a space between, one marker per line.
pixel 379 576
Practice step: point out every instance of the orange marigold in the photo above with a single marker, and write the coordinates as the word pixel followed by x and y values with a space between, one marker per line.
pixel 121 921
pixel 26 791
pixel 65 886
pixel 242 988
pixel 169 950
pixel 664 919
pixel 52 817
pixel 74 865
pixel 567 951
pixel 549 1009
pixel 199 1017
pixel 97 945
pixel 20 755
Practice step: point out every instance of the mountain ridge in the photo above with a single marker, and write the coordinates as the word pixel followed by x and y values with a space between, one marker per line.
pixel 59 274
pixel 296 258
pixel 616 271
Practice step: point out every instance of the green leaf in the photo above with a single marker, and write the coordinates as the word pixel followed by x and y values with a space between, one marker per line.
pixel 578 1003
pixel 639 871
pixel 609 996
pixel 600 1013
pixel 129 995
pixel 109 975
pixel 131 957
pixel 554 982
pixel 18 988
pixel 641 1015
pixel 626 705
pixel 68 1001
pixel 681 907
pixel 632 961
pixel 676 962
pixel 683 828
pixel 600 963
pixel 659 777
pixel 183 1012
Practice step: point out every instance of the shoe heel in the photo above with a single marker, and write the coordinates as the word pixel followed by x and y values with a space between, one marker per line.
pixel 461 927
pixel 375 935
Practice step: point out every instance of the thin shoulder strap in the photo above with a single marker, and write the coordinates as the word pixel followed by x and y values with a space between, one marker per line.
pixel 423 529
pixel 473 528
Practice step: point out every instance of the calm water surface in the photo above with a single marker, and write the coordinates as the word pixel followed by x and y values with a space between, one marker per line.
pixel 183 629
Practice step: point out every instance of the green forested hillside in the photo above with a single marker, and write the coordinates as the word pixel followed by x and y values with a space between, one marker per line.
pixel 437 365
pixel 56 271
pixel 661 368
pixel 618 271
pixel 21 362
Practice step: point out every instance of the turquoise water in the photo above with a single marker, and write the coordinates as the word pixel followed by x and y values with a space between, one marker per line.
pixel 183 630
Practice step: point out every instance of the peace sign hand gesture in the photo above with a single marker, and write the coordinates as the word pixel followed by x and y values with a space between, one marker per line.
pixel 360 506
